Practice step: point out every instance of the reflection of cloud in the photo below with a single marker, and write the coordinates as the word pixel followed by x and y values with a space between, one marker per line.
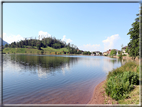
pixel 11 65
pixel 109 65
pixel 92 62
pixel 41 73
pixel 65 68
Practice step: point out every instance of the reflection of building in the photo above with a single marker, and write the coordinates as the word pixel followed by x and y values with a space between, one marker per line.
pixel 92 54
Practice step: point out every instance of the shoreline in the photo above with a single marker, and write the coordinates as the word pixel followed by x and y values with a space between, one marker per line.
pixel 98 97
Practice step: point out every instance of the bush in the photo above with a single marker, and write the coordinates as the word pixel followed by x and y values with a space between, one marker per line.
pixel 129 66
pixel 124 55
pixel 120 56
pixel 120 84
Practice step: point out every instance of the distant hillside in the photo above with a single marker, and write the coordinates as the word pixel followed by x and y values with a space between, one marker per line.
pixel 4 42
pixel 44 43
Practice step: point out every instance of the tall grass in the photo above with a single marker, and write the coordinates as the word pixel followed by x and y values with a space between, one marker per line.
pixel 129 66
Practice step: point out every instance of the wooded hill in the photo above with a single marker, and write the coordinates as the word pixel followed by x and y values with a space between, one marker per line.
pixel 44 43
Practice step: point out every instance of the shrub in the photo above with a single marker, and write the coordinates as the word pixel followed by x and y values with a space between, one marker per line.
pixel 129 66
pixel 120 84
pixel 120 55
pixel 124 55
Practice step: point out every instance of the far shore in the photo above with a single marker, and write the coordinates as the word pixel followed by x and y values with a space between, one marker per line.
pixel 50 54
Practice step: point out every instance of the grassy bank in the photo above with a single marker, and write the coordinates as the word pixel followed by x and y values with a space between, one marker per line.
pixel 28 50
pixel 122 84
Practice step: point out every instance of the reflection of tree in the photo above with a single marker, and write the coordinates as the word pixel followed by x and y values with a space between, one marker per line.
pixel 113 61
pixel 123 61
pixel 44 64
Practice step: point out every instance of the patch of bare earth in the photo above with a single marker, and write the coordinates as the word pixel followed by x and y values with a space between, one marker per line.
pixel 100 97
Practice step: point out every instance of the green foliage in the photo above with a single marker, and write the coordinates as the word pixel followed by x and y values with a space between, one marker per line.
pixel 44 43
pixel 56 45
pixel 120 55
pixel 120 84
pixel 34 51
pixel 113 52
pixel 124 55
pixel 79 52
pixel 94 52
pixel 100 53
pixel 129 66
pixel 38 45
pixel 86 53
pixel 6 45
pixel 127 50
pixel 119 52
pixel 134 39
pixel 42 51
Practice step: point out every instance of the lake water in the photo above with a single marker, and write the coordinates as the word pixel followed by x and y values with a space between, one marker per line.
pixel 51 79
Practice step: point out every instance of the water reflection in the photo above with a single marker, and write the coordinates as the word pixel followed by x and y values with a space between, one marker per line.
pixel 92 62
pixel 41 65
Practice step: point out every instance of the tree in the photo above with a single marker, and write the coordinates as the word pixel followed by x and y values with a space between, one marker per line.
pixel 6 45
pixel 134 39
pixel 127 50
pixel 113 52
pixel 100 53
pixel 38 45
pixel 94 53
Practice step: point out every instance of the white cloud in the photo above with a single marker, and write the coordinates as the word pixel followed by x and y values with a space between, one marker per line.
pixel 42 34
pixel 66 40
pixel 110 41
pixel 12 38
pixel 89 47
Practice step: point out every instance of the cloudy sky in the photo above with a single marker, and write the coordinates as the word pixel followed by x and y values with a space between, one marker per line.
pixel 89 26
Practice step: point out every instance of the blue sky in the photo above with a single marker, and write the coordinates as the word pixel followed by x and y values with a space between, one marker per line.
pixel 89 26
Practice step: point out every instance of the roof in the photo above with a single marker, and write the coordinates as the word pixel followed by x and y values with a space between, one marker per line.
pixel 125 47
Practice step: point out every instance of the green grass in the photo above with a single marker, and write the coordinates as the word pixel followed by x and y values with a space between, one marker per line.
pixel 50 49
pixel 34 50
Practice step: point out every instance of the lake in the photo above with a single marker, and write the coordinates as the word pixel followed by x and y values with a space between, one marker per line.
pixel 53 79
